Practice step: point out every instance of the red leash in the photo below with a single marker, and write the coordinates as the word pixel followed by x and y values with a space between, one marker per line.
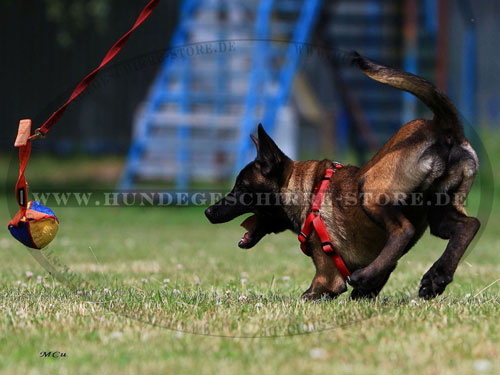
pixel 23 140
pixel 82 86
pixel 314 221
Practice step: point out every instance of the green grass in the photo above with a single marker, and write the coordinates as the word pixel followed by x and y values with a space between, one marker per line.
pixel 123 315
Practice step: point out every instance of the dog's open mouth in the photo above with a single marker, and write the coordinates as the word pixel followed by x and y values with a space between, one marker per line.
pixel 253 234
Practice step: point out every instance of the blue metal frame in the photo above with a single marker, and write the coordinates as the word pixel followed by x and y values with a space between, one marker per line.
pixel 410 64
pixel 261 73
pixel 182 179
pixel 259 56
pixel 468 75
pixel 152 105
pixel 431 15
pixel 308 14
pixel 467 95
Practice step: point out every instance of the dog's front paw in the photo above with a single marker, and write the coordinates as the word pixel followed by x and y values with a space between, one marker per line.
pixel 363 280
pixel 433 283
pixel 364 294
pixel 316 296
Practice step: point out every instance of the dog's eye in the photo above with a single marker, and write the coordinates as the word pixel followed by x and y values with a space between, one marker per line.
pixel 241 188
pixel 242 185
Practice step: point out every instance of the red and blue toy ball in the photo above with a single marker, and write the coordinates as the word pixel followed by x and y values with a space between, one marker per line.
pixel 37 228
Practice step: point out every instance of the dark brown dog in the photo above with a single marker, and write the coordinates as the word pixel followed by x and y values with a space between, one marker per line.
pixel 375 213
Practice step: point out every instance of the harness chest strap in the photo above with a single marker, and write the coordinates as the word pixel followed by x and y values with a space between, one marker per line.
pixel 314 221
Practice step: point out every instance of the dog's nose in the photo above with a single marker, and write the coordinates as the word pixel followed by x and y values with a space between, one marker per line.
pixel 209 213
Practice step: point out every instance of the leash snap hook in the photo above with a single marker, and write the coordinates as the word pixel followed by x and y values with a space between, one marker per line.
pixel 38 135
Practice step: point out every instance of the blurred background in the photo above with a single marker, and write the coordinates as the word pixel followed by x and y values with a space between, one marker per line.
pixel 178 104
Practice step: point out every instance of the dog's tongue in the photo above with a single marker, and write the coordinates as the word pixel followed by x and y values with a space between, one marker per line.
pixel 249 224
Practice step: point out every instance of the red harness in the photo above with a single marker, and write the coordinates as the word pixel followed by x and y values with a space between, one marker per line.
pixel 314 221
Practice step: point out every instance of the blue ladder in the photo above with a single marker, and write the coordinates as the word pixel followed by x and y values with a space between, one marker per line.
pixel 262 68
pixel 203 106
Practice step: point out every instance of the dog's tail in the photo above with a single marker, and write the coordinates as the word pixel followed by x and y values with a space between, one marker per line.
pixel 445 113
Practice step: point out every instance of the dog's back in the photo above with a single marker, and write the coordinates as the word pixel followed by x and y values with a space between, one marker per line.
pixel 424 154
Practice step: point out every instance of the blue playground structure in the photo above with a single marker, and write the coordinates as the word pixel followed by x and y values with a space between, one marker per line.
pixel 229 65
pixel 232 64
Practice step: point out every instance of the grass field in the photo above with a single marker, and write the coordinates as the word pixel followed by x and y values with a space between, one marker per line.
pixel 143 278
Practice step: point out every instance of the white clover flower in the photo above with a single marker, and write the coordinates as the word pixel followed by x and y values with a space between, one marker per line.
pixel 482 365
pixel 307 327
pixel 176 291
pixel 29 275
pixel 116 335
pixel 258 305
pixel 79 293
pixel 166 281
pixel 242 298
pixel 144 281
pixel 243 281
pixel 179 266
pixel 286 279
pixel 317 353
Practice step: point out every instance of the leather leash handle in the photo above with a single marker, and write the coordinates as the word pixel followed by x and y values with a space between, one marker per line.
pixel 24 144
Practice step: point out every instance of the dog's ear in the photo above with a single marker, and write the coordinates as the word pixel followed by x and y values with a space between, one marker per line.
pixel 255 141
pixel 269 156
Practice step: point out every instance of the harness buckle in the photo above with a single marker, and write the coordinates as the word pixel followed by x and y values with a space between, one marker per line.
pixel 327 247
pixel 302 237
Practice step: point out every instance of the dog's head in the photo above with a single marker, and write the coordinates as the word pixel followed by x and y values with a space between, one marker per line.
pixel 256 191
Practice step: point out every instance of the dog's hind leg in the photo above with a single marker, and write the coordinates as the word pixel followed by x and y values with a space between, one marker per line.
pixel 451 222
pixel 447 223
